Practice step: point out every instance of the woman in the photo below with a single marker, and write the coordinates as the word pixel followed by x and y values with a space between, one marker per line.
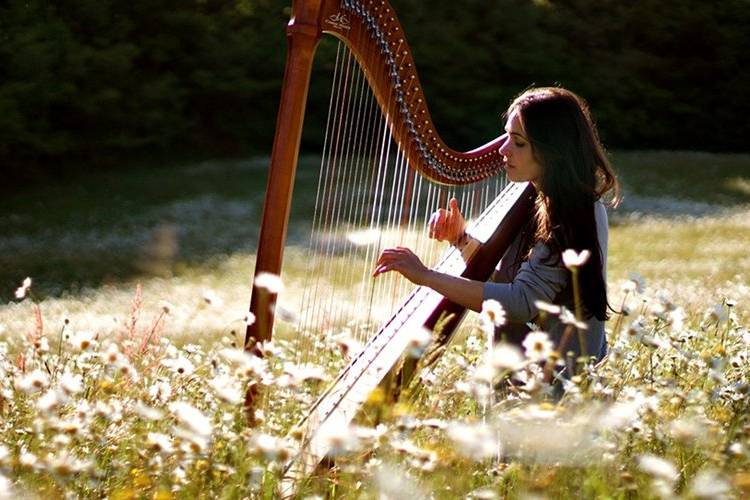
pixel 552 142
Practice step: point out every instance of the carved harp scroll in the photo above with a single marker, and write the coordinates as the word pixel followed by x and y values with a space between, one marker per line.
pixel 373 34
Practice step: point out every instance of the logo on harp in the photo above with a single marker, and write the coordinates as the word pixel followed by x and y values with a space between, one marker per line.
pixel 339 21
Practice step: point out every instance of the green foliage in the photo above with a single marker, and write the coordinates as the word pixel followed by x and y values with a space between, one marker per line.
pixel 100 78
pixel 96 80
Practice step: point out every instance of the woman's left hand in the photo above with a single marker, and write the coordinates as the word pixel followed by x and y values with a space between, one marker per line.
pixel 404 261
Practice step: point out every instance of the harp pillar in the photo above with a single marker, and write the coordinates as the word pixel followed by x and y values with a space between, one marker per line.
pixel 302 41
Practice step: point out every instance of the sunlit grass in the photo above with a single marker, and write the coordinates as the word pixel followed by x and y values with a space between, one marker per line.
pixel 666 415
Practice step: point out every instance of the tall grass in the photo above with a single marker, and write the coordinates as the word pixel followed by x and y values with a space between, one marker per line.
pixel 131 385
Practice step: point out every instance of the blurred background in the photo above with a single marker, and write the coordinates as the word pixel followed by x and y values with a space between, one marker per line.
pixel 93 84
pixel 134 135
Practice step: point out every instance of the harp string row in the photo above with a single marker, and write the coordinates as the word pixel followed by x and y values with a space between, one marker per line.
pixel 367 198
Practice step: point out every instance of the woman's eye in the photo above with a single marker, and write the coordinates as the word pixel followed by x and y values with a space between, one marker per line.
pixel 520 144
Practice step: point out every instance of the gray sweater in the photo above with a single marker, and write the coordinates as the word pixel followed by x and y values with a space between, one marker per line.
pixel 517 284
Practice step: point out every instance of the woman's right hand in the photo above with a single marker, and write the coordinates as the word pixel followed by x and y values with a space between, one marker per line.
pixel 447 225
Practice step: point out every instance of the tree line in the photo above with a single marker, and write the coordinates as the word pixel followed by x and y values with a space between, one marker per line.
pixel 95 82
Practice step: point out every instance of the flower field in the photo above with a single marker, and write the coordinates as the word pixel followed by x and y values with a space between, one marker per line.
pixel 134 387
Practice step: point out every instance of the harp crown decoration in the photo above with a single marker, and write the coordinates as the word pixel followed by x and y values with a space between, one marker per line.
pixel 339 21
pixel 416 130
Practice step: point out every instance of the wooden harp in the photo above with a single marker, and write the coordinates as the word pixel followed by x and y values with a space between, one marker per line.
pixel 374 44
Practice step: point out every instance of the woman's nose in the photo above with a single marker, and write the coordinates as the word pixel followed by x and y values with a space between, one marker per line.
pixel 504 149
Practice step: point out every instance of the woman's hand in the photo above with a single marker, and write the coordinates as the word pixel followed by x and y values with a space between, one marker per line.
pixel 447 225
pixel 404 261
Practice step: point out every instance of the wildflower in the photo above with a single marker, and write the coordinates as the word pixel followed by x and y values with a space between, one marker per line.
pixel 506 356
pixel 64 465
pixel 484 373
pixel 304 372
pixel 148 413
pixel 4 455
pixel 249 319
pixel 483 494
pixel 428 377
pixel 676 319
pixel 492 316
pixel 717 313
pixel 181 366
pixel 48 402
pixel 102 409
pixel 192 418
pixel 568 318
pixel 658 468
pixel 268 446
pixel 111 355
pixel 658 310
pixel 394 482
pixel 22 290
pixel 166 307
pixel 634 332
pixel 537 346
pixel 160 443
pixel 226 390
pixel 547 307
pixel 270 282
pixel 32 382
pixel 191 442
pixel 340 441
pixel 6 488
pixel 27 460
pixel 573 259
pixel 71 384
pixel 686 430
pixel 83 340
pixel 736 449
pixel 635 283
pixel 709 484
pixel 348 345
pixel 211 298
pixel 655 341
pixel 247 364
pixel 160 391
pixel 419 339
pixel 475 441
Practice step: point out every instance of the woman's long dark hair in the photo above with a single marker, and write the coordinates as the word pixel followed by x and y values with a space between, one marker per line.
pixel 575 174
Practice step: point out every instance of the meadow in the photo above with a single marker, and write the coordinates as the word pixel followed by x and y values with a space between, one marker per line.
pixel 122 375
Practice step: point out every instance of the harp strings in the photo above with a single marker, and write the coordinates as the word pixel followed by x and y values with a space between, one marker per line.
pixel 367 198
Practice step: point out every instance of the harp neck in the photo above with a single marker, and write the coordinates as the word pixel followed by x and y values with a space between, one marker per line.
pixel 372 31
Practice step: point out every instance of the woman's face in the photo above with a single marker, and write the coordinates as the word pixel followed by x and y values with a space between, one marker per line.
pixel 520 163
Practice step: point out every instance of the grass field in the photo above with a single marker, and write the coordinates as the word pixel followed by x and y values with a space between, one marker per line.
pixel 156 265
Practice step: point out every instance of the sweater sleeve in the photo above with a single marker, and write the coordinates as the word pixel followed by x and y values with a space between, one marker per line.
pixel 536 280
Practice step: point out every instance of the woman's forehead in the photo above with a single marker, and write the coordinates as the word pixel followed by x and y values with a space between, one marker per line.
pixel 514 125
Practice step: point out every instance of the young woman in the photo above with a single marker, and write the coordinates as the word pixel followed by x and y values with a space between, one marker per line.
pixel 552 142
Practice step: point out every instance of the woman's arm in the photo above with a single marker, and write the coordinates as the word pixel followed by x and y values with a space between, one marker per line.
pixel 465 292
pixel 536 280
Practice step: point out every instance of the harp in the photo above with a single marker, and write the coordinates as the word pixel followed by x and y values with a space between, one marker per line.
pixel 384 169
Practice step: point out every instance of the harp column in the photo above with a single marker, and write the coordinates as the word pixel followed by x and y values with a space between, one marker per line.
pixel 302 38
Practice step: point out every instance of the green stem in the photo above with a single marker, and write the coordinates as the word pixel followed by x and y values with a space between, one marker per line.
pixel 579 311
